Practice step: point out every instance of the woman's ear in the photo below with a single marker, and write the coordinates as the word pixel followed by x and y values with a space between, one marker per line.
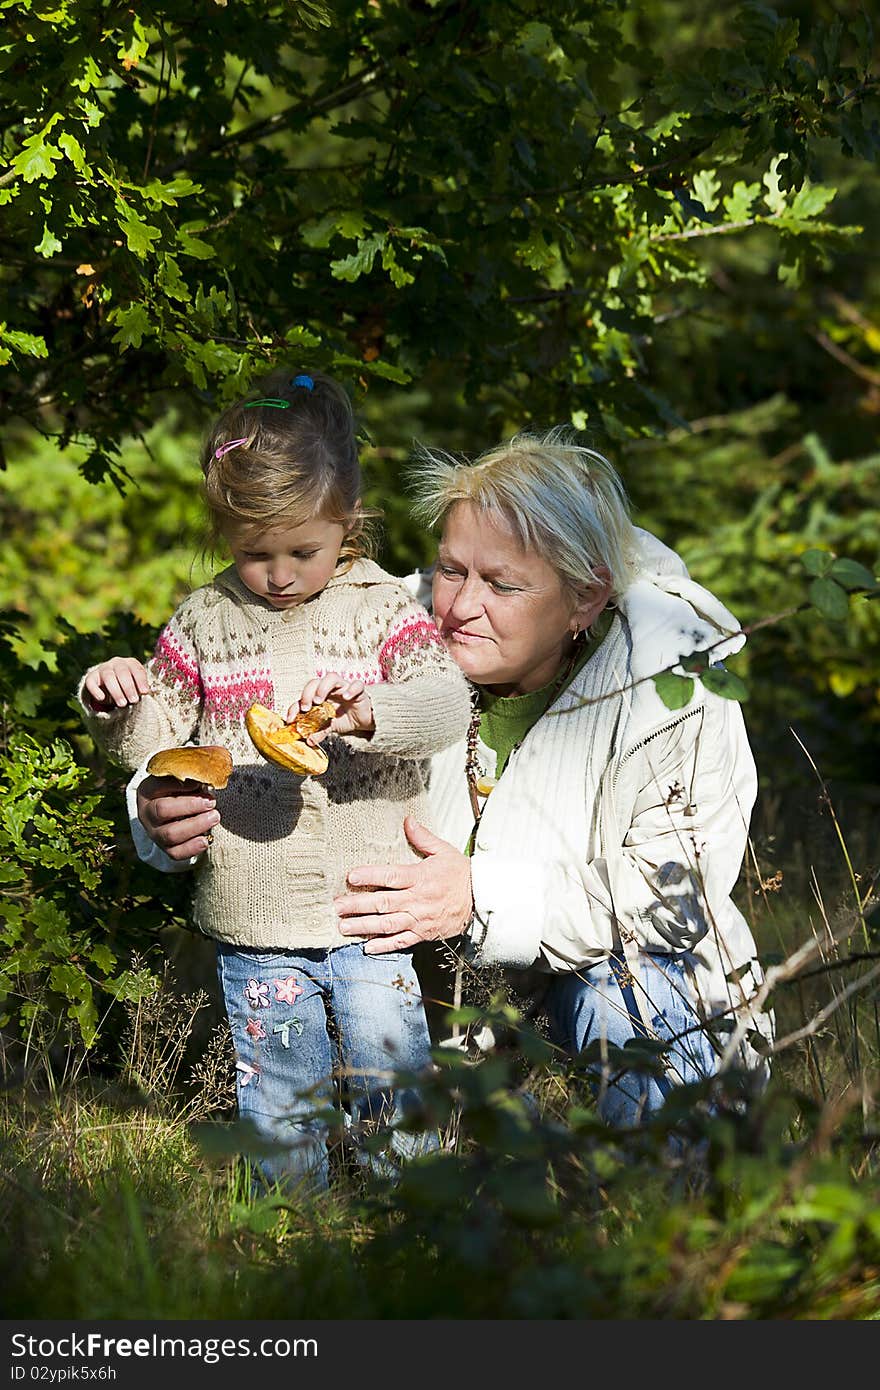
pixel 591 603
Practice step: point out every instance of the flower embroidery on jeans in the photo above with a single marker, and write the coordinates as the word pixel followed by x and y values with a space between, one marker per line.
pixel 254 1028
pixel 285 1027
pixel 287 991
pixel 257 994
pixel 248 1074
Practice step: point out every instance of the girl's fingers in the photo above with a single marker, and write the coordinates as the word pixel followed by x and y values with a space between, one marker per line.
pixel 113 690
pixel 308 698
pixel 128 685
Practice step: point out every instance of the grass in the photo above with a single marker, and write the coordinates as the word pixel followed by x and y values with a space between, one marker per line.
pixel 117 1201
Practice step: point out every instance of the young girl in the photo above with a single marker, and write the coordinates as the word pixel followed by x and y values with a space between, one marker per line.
pixel 300 616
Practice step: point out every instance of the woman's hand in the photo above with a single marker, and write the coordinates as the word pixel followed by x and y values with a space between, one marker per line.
pixel 115 684
pixel 176 819
pixel 354 713
pixel 429 901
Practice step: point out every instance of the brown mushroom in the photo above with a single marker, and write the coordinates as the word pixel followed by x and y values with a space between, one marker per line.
pixel 284 743
pixel 209 764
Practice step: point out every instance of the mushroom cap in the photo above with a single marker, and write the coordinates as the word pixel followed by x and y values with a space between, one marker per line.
pixel 210 764
pixel 283 743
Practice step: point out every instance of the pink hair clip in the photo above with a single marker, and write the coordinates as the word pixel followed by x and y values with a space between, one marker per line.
pixel 224 448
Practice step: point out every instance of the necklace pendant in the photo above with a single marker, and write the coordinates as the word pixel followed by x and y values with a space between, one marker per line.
pixel 485 784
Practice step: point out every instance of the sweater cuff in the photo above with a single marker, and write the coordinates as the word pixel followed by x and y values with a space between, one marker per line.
pixel 509 905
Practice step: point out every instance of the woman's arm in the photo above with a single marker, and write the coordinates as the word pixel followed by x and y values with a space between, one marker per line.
pixel 685 803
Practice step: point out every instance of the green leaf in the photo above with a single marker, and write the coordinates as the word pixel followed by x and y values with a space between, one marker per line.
pixel 90 75
pixel 37 159
pixel 830 599
pixel 28 343
pixel 194 246
pixel 103 957
pixel 852 575
pixel 817 562
pixel 172 282
pixel 169 193
pixel 810 199
pixel 775 197
pixel 738 203
pixel 399 276
pixel 535 252
pixel 50 923
pixel 674 691
pixel 360 262
pixel 707 186
pixel 74 151
pixel 49 245
pixel 134 324
pixel 139 235
pixel 387 371
pixel 725 684
pixel 351 224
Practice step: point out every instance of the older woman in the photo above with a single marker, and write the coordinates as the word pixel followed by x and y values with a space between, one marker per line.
pixel 583 827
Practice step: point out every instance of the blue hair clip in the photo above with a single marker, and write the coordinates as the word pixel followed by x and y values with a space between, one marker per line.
pixel 303 380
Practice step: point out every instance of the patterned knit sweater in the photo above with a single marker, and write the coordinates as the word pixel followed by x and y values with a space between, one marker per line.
pixel 285 843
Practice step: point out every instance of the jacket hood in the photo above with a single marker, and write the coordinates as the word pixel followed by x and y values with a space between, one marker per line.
pixel 670 616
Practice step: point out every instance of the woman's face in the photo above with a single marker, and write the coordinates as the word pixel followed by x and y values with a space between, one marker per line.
pixel 503 611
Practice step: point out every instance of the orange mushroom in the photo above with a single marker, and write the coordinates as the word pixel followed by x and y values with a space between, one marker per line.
pixel 285 744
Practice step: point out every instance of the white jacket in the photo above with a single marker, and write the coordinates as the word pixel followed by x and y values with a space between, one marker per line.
pixel 620 825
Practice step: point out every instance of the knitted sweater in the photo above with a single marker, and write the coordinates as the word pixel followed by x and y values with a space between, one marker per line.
pixel 284 842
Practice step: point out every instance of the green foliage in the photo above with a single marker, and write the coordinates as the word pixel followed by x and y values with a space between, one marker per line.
pixel 518 199
pixel 73 905
pixel 732 1205
pixel 91 552
pixel 786 536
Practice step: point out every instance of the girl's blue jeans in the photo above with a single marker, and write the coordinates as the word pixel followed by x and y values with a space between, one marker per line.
pixel 292 1062
pixel 602 1003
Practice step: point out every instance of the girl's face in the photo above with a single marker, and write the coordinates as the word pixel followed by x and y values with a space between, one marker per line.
pixel 503 611
pixel 287 564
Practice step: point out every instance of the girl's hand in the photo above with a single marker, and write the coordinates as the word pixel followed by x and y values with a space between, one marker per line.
pixel 355 712
pixel 116 683
pixel 401 904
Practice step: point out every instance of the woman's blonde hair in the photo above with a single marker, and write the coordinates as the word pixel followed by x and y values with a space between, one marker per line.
pixel 285 453
pixel 560 498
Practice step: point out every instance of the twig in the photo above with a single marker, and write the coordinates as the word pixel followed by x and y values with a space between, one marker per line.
pixel 816 1022
pixel 839 353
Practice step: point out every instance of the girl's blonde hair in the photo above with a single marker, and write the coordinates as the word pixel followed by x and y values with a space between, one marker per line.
pixel 561 499
pixel 285 453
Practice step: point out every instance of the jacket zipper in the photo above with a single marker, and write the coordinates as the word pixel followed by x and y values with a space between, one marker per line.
pixel 649 738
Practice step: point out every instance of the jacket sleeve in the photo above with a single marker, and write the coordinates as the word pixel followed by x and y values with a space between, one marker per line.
pixel 422 703
pixel 169 715
pixel 676 817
